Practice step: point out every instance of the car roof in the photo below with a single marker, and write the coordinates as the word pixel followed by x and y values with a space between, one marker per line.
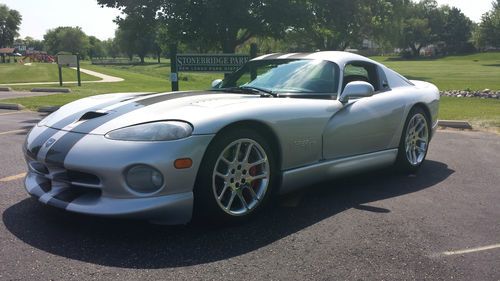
pixel 338 57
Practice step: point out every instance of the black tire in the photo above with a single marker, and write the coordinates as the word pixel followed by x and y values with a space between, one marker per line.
pixel 403 164
pixel 207 209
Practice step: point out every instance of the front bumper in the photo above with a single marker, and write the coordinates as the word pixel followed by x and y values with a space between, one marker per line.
pixel 91 177
pixel 168 209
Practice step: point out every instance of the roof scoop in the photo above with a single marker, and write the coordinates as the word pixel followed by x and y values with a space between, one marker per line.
pixel 91 115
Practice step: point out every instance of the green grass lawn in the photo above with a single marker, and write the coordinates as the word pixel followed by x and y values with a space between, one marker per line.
pixel 144 78
pixel 479 112
pixel 474 72
pixel 477 71
pixel 37 72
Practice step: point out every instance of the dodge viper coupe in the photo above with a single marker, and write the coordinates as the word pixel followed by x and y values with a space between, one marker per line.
pixel 281 122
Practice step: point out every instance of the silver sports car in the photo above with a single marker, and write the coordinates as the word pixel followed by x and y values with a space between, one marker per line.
pixel 281 122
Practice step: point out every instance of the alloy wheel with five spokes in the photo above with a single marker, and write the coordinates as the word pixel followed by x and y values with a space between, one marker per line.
pixel 417 139
pixel 414 142
pixel 240 177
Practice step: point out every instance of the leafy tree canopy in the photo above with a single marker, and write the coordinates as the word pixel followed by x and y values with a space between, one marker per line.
pixel 488 32
pixel 66 39
pixel 10 20
pixel 222 23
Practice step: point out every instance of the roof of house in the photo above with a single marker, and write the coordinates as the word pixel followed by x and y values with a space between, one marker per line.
pixel 7 50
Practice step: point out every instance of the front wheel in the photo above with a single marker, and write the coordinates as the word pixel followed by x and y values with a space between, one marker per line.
pixel 414 141
pixel 236 177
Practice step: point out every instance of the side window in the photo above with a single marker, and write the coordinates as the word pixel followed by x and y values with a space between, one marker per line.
pixel 361 71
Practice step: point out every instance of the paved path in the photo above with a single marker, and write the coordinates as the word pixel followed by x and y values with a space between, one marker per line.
pixel 16 94
pixel 104 79
pixel 441 224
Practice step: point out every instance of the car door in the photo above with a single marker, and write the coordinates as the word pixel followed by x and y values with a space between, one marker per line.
pixel 368 124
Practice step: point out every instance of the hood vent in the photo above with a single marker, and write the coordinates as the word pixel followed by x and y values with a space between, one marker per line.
pixel 91 115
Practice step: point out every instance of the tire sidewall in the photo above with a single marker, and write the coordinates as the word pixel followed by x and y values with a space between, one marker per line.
pixel 402 162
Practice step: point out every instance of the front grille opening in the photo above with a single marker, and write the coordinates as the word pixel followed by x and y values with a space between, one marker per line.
pixel 74 192
pixel 81 177
pixel 46 186
pixel 39 168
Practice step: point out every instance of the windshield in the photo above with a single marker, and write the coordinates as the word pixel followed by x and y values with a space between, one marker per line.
pixel 287 76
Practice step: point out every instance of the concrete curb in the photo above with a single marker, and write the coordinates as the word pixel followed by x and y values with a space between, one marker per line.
pixel 51 90
pixel 48 109
pixel 5 89
pixel 457 124
pixel 11 106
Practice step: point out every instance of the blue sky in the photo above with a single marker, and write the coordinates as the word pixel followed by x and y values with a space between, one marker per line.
pixel 41 15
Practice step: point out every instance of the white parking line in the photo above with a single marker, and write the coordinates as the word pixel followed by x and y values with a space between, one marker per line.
pixel 12 132
pixel 8 113
pixel 14 177
pixel 471 250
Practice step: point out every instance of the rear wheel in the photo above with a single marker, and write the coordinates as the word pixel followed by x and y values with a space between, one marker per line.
pixel 414 141
pixel 236 178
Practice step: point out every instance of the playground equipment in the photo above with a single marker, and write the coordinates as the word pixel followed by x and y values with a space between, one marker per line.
pixel 37 56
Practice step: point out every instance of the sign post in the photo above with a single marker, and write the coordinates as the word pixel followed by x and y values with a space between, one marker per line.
pixel 173 68
pixel 60 75
pixel 78 70
pixel 225 63
pixel 69 61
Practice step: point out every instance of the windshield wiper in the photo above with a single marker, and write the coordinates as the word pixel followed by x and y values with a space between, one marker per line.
pixel 248 90
pixel 257 90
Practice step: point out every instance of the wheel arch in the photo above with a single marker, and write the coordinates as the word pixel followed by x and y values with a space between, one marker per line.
pixel 262 128
pixel 425 108
pixel 427 112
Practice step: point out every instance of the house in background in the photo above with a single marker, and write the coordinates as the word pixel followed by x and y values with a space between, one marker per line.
pixel 7 53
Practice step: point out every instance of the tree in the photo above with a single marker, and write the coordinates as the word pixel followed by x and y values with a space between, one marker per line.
pixel 338 24
pixel 333 32
pixel 30 43
pixel 426 23
pixel 96 48
pixel 457 30
pixel 137 34
pixel 386 21
pixel 10 20
pixel 111 47
pixel 222 23
pixel 488 31
pixel 66 39
pixel 122 41
pixel 416 34
pixel 422 25
pixel 35 44
pixel 227 24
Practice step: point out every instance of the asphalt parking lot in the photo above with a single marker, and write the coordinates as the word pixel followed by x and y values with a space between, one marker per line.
pixel 441 224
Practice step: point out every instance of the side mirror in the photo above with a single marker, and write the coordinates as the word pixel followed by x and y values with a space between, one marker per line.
pixel 356 89
pixel 216 83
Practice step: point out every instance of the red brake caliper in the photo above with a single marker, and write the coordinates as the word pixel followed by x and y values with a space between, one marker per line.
pixel 253 172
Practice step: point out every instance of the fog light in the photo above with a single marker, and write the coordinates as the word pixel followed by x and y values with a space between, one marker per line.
pixel 144 179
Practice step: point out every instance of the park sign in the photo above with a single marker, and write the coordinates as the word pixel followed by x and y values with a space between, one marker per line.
pixel 67 60
pixel 210 62
pixel 225 63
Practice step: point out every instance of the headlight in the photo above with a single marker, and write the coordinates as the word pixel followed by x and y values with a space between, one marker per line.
pixel 156 131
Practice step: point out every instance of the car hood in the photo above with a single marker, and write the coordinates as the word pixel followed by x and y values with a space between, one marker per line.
pixel 103 113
